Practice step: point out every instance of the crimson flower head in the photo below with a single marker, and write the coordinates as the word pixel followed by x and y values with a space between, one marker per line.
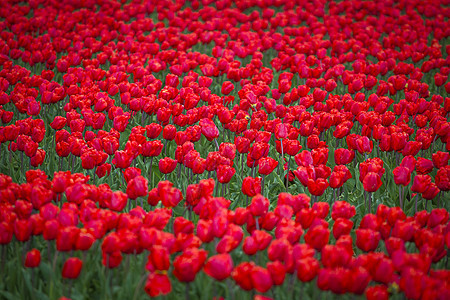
pixel 317 237
pixel 259 205
pixel 343 156
pixel 209 129
pixel 122 159
pixel 367 239
pixel 157 284
pixel 152 148
pixel 251 186
pixel 219 266
pixel 33 258
pixel 364 145
pixel 167 165
pixel 267 165
pixel 421 183
pixel 317 187
pixel 225 173
pixel 227 87
pixel 372 182
pixel 281 131
pixel 72 268
pixel 342 209
pixel 261 279
pixel 242 144
pixel 402 176
pixel 137 187
pixel 307 269
pixel 188 264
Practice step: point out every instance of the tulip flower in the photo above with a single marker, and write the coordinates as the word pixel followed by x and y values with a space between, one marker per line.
pixel 251 186
pixel 371 183
pixel 219 266
pixel 72 268
pixel 167 165
pixel 266 166
pixel 32 258
pixel 157 284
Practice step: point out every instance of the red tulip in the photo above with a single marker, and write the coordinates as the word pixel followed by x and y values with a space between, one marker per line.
pixel 343 156
pixel 251 186
pixel 421 183
pixel 261 279
pixel 219 266
pixel 225 173
pixel 167 165
pixel 227 87
pixel 307 269
pixel 267 165
pixel 342 227
pixel 33 258
pixel 377 292
pixel 209 129
pixel 72 268
pixel 158 259
pixel 367 239
pixel 152 148
pixel 402 176
pixel 242 275
pixel 440 159
pixel 137 187
pixel 442 178
pixel 259 205
pixel 372 182
pixel 317 237
pixel 157 284
pixel 317 187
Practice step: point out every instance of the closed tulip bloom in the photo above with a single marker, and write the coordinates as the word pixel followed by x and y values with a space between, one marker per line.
pixel 188 264
pixel 367 239
pixel 307 269
pixel 251 186
pixel 259 205
pixel 227 87
pixel 342 227
pixel 72 268
pixel 372 182
pixel 267 165
pixel 137 187
pixel 242 144
pixel 317 237
pixel 259 150
pixel 343 156
pixel 442 178
pixel 152 148
pixel 420 183
pixel 364 145
pixel 261 279
pixel 153 130
pixel 167 165
pixel 157 284
pixel 402 176
pixel 158 259
pixel 219 266
pixel 377 292
pixel 225 173
pixel 118 201
pixel 33 258
pixel 209 129
pixel 440 159
pixel 424 166
pixel 317 187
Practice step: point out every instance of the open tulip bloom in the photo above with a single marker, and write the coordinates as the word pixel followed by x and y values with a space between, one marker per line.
pixel 224 149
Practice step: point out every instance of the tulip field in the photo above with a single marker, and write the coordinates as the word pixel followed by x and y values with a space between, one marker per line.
pixel 244 149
